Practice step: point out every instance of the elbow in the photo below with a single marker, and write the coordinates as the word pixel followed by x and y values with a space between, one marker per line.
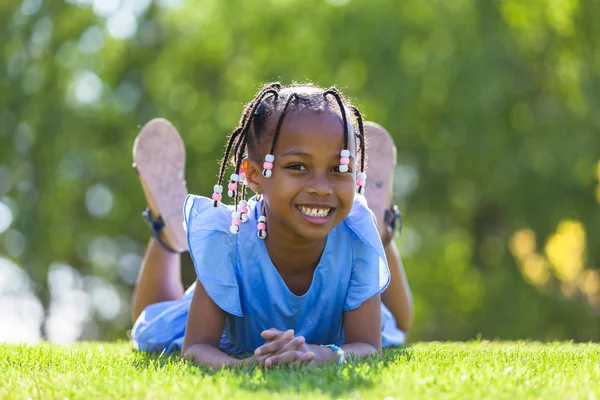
pixel 187 353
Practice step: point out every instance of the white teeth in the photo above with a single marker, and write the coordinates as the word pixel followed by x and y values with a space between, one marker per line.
pixel 315 212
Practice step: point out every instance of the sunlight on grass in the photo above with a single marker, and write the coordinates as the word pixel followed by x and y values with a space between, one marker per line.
pixel 425 370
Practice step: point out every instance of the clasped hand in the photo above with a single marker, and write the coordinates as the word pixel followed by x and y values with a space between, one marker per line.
pixel 283 348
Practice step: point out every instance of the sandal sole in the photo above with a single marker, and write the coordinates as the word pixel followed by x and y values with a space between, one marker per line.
pixel 159 158
pixel 381 161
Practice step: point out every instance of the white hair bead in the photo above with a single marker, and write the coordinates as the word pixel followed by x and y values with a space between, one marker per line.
pixel 234 229
pixel 230 193
pixel 262 234
pixel 235 215
pixel 244 217
pixel 243 203
pixel 218 189
pixel 234 177
pixel 262 218
pixel 345 153
pixel 343 168
pixel 267 173
pixel 362 175
pixel 270 158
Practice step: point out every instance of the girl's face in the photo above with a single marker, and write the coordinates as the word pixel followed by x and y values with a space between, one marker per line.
pixel 306 194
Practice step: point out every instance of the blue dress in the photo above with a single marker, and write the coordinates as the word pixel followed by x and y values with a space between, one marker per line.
pixel 237 273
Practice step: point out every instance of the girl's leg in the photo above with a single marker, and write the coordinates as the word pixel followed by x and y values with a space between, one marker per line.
pixel 397 297
pixel 159 159
pixel 381 153
pixel 159 278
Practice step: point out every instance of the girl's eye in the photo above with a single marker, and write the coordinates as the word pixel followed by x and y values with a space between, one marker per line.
pixel 296 167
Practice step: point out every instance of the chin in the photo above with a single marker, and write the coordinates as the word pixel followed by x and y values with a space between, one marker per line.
pixel 315 232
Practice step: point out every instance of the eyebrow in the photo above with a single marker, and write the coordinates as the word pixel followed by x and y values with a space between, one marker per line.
pixel 294 152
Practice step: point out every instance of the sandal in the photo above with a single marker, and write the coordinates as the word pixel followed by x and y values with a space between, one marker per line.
pixel 393 218
pixel 159 160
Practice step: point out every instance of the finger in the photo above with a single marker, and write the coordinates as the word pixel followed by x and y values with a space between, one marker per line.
pixel 271 348
pixel 294 344
pixel 285 358
pixel 304 359
pixel 270 333
pixel 276 334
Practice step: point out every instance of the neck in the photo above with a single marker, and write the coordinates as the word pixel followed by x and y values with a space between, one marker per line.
pixel 290 253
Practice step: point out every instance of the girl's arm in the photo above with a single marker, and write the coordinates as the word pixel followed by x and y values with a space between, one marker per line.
pixel 203 332
pixel 362 332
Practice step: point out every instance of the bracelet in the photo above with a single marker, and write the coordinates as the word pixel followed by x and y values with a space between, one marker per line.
pixel 339 351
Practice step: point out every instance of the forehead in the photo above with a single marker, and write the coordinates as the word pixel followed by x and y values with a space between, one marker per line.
pixel 319 131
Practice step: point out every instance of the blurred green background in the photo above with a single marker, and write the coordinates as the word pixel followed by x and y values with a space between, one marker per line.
pixel 493 106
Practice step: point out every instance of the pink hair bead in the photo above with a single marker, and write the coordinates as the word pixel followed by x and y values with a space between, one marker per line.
pixel 235 222
pixel 261 226
pixel 217 196
pixel 360 182
pixel 243 207
pixel 232 186
pixel 268 165
pixel 344 161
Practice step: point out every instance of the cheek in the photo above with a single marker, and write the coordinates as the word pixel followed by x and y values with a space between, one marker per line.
pixel 280 186
pixel 346 192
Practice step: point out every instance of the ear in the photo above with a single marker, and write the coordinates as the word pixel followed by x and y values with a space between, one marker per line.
pixel 253 173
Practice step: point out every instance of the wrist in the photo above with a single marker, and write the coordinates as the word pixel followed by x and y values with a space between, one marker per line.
pixel 322 354
pixel 325 354
pixel 340 354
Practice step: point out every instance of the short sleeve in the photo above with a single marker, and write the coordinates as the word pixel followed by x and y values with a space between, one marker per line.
pixel 213 250
pixel 370 273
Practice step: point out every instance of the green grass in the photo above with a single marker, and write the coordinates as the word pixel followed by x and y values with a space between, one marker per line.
pixel 476 370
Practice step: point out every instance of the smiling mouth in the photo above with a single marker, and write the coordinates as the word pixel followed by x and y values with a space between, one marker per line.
pixel 315 212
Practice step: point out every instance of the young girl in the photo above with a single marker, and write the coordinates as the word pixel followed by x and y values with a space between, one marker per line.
pixel 291 276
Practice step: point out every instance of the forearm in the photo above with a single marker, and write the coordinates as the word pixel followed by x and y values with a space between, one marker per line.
pixel 324 354
pixel 397 297
pixel 210 356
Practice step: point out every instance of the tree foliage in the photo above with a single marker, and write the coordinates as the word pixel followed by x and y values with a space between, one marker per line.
pixel 493 106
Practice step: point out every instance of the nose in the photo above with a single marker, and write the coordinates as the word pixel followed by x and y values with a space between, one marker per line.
pixel 320 185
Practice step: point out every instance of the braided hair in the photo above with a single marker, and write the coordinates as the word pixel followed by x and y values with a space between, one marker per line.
pixel 255 128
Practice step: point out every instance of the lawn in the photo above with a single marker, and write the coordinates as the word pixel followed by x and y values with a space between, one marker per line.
pixel 509 370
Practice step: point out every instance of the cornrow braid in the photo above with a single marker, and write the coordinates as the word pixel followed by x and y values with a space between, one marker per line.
pixel 269 158
pixel 240 133
pixel 361 180
pixel 338 97
pixel 345 153
pixel 246 127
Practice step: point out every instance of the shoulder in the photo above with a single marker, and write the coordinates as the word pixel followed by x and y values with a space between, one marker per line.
pixel 370 272
pixel 213 249
pixel 200 214
pixel 202 221
pixel 361 223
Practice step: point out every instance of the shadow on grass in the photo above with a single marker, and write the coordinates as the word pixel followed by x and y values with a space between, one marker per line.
pixel 329 379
